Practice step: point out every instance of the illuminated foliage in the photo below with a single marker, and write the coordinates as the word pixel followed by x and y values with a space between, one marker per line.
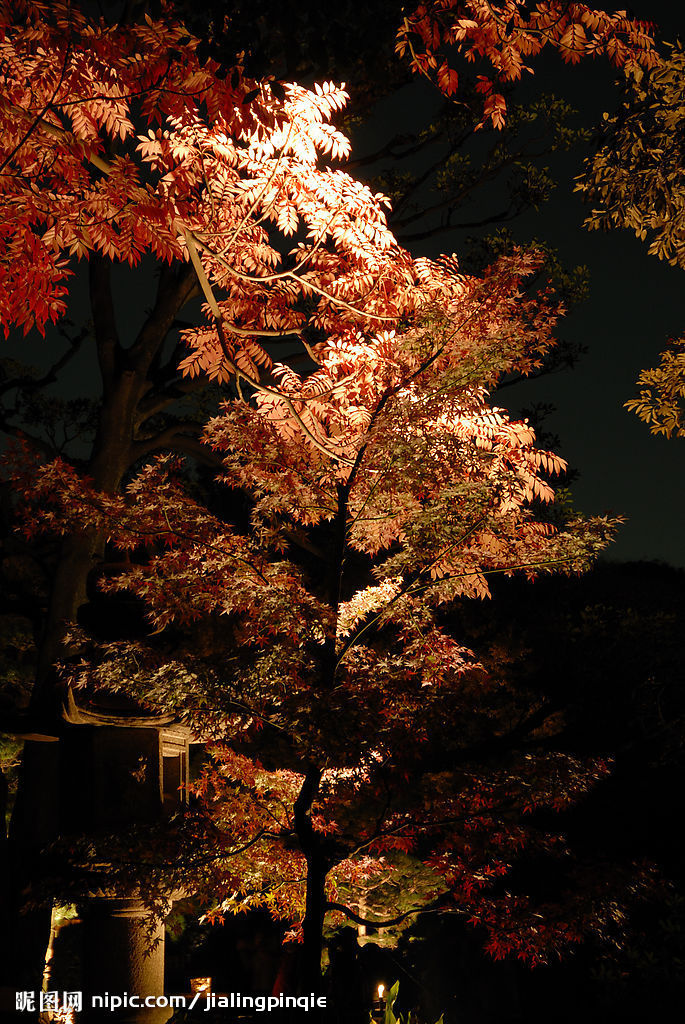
pixel 660 403
pixel 508 34
pixel 224 167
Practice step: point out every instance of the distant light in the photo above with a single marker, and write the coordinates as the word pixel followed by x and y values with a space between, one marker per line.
pixel 381 990
pixel 200 984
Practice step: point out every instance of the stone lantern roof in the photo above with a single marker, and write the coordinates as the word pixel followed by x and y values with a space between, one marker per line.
pixel 113 709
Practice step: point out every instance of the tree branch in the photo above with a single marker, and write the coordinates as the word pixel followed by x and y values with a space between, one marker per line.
pixel 104 318
pixel 28 383
pixel 174 290
pixel 389 921
pixel 157 402
pixel 180 436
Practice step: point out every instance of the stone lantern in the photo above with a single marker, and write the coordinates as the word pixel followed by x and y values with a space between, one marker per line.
pixel 121 767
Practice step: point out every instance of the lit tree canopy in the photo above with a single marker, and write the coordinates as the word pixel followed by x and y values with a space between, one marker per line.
pixel 225 167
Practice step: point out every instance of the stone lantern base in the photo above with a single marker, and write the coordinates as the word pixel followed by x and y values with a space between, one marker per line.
pixel 123 957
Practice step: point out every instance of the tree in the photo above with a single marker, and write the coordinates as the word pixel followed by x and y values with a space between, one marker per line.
pixel 223 179
pixel 602 656
pixel 347 723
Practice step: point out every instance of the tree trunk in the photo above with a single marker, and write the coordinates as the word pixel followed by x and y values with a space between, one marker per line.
pixel 312 927
pixel 317 868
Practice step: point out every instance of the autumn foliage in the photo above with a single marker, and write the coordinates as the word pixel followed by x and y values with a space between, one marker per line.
pixel 223 161
pixel 302 631
pixel 506 36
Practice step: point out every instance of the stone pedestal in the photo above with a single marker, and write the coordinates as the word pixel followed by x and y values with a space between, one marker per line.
pixel 123 957
pixel 121 768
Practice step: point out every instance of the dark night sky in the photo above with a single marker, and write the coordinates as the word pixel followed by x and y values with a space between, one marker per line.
pixel 636 304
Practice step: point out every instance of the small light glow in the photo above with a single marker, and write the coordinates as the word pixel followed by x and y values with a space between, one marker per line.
pixel 200 985
pixel 381 990
pixel 65 1015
